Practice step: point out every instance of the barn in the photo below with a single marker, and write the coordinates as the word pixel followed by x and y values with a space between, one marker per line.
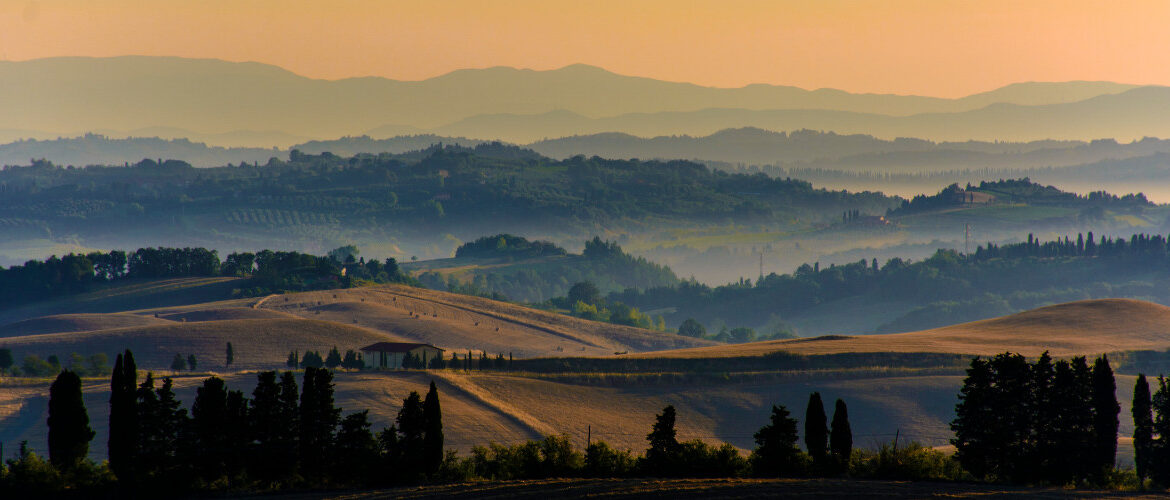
pixel 388 355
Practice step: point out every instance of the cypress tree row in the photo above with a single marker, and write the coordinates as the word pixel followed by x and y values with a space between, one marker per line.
pixel 816 429
pixel 69 432
pixel 1036 423
pixel 1143 427
pixel 841 436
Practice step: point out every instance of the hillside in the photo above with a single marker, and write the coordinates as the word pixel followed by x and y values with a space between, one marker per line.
pixel 72 95
pixel 263 331
pixel 1075 328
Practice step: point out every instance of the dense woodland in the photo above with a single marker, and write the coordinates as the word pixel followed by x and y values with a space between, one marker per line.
pixel 993 280
pixel 1022 191
pixel 323 200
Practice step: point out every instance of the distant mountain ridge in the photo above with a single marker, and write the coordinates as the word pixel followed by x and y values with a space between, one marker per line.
pixel 243 104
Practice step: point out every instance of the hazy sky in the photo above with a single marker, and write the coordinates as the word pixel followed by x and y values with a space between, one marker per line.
pixel 929 47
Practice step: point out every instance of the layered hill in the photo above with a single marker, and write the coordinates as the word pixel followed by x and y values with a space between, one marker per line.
pixel 262 105
pixel 1076 328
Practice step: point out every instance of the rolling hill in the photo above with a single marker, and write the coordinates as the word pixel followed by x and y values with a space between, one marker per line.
pixel 1085 327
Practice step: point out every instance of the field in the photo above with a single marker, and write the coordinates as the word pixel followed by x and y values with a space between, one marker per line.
pixel 724 488
pixel 482 407
pixel 1076 328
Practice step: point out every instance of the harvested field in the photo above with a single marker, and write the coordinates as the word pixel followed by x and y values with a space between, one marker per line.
pixel 61 323
pixel 1076 328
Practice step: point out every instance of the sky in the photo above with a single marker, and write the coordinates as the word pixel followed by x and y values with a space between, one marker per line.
pixel 940 48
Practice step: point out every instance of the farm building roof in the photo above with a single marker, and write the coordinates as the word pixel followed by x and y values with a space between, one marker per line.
pixel 395 347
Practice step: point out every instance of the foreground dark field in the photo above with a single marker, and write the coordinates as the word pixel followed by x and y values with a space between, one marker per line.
pixel 724 488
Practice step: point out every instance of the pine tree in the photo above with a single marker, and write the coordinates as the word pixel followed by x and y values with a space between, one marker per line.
pixel 664 447
pixel 230 355
pixel 841 435
pixel 151 452
pixel 356 449
pixel 974 447
pixel 69 431
pixel 433 436
pixel 412 428
pixel 1105 412
pixel 816 429
pixel 777 453
pixel 237 433
pixel 171 430
pixel 285 442
pixel 265 423
pixel 1143 427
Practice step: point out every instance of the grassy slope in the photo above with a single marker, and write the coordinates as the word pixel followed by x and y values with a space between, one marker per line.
pixel 1083 327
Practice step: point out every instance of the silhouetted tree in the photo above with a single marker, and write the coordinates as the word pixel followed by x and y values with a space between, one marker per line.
pixel 6 360
pixel 664 447
pixel 433 436
pixel 777 453
pixel 209 419
pixel 69 432
pixel 412 428
pixel 584 291
pixel 318 421
pixel 1105 412
pixel 192 362
pixel 292 361
pixel 816 428
pixel 230 355
pixel 1143 427
pixel 123 438
pixel 841 436
pixel 356 450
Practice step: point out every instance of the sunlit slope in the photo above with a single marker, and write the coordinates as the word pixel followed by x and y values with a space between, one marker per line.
pixel 128 296
pixel 461 322
pixel 257 343
pixel 1083 327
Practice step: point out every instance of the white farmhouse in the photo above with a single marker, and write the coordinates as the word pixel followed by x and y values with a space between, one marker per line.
pixel 388 355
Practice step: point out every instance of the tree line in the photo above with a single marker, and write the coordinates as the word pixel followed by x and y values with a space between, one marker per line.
pixel 267 271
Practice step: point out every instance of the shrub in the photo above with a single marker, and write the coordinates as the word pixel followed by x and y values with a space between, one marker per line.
pixel 908 462
pixel 603 461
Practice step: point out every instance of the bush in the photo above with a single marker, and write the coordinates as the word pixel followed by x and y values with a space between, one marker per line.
pixel 603 461
pixel 907 462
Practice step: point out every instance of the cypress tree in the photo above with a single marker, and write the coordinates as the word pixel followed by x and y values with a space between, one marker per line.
pixel 974 447
pixel 1044 414
pixel 151 451
pixel 1143 427
pixel 123 441
pixel 433 437
pixel 664 448
pixel 69 432
pixel 841 436
pixel 230 355
pixel 265 425
pixel 288 414
pixel 776 452
pixel 816 429
pixel 356 450
pixel 171 431
pixel 1158 466
pixel 237 434
pixel 1105 420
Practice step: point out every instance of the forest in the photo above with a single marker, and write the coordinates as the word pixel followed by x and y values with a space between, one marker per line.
pixel 993 280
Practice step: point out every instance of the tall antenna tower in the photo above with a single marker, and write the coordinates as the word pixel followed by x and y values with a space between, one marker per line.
pixel 966 240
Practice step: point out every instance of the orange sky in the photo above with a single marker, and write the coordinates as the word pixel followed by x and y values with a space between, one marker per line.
pixel 928 47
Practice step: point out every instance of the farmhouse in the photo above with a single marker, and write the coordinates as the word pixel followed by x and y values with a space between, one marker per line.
pixel 389 354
